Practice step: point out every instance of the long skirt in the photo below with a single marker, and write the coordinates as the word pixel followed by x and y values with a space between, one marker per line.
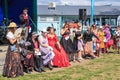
pixel 29 61
pixel 47 56
pixel 12 66
pixel 89 47
pixel 80 45
pixel 67 45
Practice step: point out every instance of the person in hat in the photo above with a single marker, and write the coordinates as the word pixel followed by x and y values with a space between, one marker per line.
pixel 46 49
pixel 87 39
pixel 38 60
pixel 108 37
pixel 101 35
pixel 60 59
pixel 24 17
pixel 25 22
pixel 66 41
pixel 12 66
pixel 27 57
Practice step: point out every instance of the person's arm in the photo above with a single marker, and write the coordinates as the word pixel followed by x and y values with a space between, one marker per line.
pixel 95 35
pixel 84 37
pixel 80 37
pixel 12 41
pixel 63 31
pixel 57 42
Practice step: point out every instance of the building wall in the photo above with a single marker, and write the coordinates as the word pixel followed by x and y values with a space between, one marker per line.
pixel 52 21
pixel 45 21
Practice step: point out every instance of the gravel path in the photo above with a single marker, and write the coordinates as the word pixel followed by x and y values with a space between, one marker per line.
pixel 3 50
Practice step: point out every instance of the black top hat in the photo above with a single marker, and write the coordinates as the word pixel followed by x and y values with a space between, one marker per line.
pixel 48 29
pixel 25 8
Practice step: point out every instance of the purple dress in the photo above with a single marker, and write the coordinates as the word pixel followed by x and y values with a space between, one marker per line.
pixel 49 55
pixel 107 32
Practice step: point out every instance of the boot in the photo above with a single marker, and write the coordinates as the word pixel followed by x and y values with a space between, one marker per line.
pixel 27 71
pixel 50 66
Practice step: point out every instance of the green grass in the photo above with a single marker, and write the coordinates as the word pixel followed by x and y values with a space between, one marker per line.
pixel 107 67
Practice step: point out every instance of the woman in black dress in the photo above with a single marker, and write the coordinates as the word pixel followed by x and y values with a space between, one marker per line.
pixel 67 43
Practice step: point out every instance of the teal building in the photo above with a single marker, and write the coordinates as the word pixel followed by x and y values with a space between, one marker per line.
pixel 57 16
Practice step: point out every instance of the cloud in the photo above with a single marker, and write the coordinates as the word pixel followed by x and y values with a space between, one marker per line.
pixel 80 2
pixel 75 2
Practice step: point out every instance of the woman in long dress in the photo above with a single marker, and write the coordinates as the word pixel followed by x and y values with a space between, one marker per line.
pixel 101 35
pixel 34 47
pixel 78 42
pixel 87 37
pixel 67 43
pixel 107 37
pixel 12 66
pixel 60 59
pixel 95 40
pixel 46 49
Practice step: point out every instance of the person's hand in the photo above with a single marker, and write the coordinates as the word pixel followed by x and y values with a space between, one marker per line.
pixel 46 45
pixel 59 47
pixel 66 29
pixel 37 50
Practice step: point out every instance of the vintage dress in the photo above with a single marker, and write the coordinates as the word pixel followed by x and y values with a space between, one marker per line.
pixel 67 43
pixel 60 59
pixel 87 38
pixel 48 53
pixel 25 52
pixel 102 38
pixel 12 66
pixel 78 44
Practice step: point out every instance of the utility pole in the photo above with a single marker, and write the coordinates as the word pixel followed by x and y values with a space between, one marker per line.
pixel 92 11
pixel 5 8
pixel 34 17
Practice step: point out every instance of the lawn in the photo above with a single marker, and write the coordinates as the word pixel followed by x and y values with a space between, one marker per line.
pixel 107 67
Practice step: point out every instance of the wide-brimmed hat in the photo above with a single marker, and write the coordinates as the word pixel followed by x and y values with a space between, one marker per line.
pixel 12 25
pixel 25 8
pixel 101 27
pixel 48 29
pixel 34 34
pixel 44 30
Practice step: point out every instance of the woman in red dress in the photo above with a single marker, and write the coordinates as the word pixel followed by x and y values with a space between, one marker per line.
pixel 60 59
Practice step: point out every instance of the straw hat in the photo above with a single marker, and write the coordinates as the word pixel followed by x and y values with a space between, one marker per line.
pixel 12 25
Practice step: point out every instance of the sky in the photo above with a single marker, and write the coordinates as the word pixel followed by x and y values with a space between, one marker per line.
pixel 80 2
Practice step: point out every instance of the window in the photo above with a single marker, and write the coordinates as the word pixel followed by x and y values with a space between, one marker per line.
pixel 49 18
pixel 112 21
pixel 42 18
